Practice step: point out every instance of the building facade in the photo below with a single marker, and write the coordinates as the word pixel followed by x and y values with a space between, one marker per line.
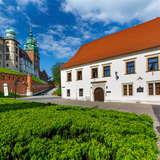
pixel 122 67
pixel 12 56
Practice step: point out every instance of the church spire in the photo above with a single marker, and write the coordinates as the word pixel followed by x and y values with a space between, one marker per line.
pixel 30 31
pixel 31 43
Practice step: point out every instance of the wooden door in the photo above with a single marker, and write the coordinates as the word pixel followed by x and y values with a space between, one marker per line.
pixel 99 94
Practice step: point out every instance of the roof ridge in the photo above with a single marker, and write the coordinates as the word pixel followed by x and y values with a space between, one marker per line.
pixel 127 41
pixel 123 30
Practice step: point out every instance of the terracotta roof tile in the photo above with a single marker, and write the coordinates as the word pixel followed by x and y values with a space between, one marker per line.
pixel 140 37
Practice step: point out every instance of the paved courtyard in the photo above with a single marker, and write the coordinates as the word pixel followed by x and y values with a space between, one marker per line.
pixel 149 109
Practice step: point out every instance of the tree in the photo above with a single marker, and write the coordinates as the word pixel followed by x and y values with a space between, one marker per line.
pixel 56 73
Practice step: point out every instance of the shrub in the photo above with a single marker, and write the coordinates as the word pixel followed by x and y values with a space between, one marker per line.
pixel 57 92
pixel 32 131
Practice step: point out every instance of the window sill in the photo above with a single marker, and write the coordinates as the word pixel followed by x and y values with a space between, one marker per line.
pixel 95 78
pixel 106 76
pixel 153 71
pixel 130 73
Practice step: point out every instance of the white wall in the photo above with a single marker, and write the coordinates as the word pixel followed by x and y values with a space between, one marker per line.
pixel 115 86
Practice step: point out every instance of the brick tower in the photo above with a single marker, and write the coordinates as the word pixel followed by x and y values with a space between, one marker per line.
pixel 32 50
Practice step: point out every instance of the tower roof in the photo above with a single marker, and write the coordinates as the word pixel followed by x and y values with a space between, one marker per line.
pixel 31 43
pixel 10 33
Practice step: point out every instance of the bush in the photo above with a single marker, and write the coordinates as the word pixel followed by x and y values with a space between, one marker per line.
pixel 61 133
pixel 57 92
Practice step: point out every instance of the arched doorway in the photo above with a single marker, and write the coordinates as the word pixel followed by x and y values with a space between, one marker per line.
pixel 99 94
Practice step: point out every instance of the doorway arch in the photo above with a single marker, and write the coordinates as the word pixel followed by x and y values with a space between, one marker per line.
pixel 99 94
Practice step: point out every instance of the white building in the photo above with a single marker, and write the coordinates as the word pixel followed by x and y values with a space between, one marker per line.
pixel 123 66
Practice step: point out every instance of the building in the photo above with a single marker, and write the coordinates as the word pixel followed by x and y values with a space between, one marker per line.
pixel 122 67
pixel 12 56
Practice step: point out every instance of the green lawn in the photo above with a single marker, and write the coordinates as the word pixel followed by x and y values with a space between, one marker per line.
pixel 42 132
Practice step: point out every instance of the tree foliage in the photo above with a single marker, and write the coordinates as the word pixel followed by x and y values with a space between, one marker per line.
pixel 56 73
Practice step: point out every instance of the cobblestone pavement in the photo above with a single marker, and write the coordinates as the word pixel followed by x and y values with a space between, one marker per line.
pixel 138 108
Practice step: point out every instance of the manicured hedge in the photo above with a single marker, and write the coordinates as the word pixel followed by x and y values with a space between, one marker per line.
pixel 42 132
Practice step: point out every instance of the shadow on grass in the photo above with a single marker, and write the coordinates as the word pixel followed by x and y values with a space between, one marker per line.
pixel 23 105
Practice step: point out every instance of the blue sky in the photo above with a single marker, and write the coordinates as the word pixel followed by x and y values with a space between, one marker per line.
pixel 62 26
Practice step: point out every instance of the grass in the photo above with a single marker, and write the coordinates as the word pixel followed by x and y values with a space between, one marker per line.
pixel 9 71
pixel 44 131
pixel 38 80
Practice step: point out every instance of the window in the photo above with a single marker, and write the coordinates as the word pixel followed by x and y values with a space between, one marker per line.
pixel 150 89
pixel 68 93
pixel 157 86
pixel 106 71
pixel 130 67
pixel 128 89
pixel 81 92
pixel 69 76
pixel 16 58
pixel 94 72
pixel 154 88
pixel 153 64
pixel 79 75
pixel 7 49
pixel 7 57
pixel 125 90
pixel 16 50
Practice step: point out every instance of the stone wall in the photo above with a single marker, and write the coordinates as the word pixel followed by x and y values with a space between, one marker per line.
pixel 22 83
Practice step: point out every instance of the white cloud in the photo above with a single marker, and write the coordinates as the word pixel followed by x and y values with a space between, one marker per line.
pixel 57 30
pixel 62 48
pixel 112 10
pixel 41 4
pixel 5 22
pixel 112 30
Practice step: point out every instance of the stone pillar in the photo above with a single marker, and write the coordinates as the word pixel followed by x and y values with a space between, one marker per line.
pixel 29 85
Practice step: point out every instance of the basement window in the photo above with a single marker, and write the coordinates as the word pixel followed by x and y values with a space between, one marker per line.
pixel 81 92
pixel 68 93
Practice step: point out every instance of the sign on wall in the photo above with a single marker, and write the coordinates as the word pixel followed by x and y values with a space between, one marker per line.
pixel 140 89
pixel 5 87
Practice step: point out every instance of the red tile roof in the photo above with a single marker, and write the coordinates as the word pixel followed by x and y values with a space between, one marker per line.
pixel 140 37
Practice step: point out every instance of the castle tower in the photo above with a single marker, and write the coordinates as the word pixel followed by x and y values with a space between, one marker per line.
pixel 32 50
pixel 11 50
